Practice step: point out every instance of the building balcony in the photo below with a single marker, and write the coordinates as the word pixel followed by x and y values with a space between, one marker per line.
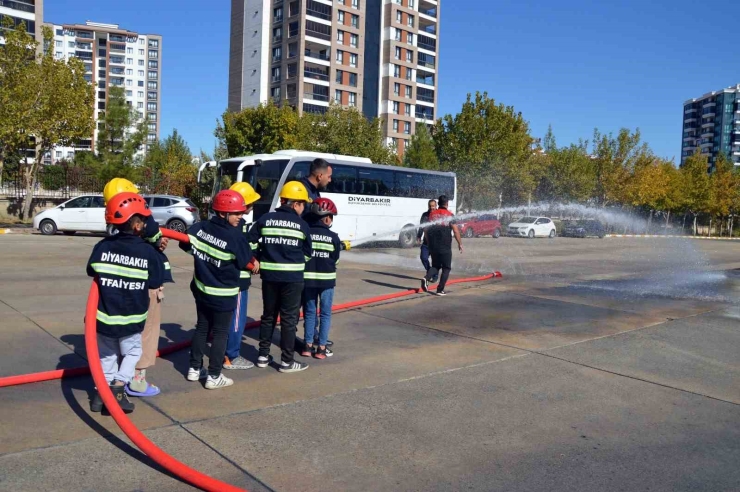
pixel 425 115
pixel 117 38
pixel 428 80
pixel 709 104
pixel 20 6
pixel 707 134
pixel 318 10
pixel 324 98
pixel 324 55
pixel 426 43
pixel 708 115
pixel 314 109
pixel 707 123
pixel 316 74
pixel 84 35
pixel 691 110
pixel 689 120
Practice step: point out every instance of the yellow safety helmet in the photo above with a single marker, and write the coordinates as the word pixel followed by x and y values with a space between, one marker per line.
pixel 116 186
pixel 295 190
pixel 246 191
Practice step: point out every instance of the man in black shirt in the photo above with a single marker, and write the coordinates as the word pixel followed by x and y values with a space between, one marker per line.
pixel 421 235
pixel 440 245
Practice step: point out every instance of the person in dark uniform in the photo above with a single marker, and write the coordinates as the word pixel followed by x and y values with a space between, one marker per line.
pixel 421 237
pixel 319 177
pixel 440 245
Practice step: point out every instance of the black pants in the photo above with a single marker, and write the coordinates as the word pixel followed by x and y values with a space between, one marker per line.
pixel 283 298
pixel 217 322
pixel 441 260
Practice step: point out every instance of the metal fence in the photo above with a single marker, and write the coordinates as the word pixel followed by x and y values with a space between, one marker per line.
pixel 53 182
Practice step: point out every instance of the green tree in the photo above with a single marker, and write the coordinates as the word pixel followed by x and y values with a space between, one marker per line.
pixel 488 145
pixel 60 110
pixel 261 130
pixel 723 189
pixel 420 152
pixel 345 131
pixel 696 185
pixel 117 144
pixel 570 173
pixel 614 160
pixel 168 167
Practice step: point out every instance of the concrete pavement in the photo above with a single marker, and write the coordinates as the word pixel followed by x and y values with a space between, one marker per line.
pixel 587 368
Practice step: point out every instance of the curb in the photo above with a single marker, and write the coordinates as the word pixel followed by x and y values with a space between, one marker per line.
pixel 676 237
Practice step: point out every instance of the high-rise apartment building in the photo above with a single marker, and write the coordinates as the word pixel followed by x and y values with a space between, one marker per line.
pixel 113 57
pixel 380 56
pixel 711 124
pixel 31 12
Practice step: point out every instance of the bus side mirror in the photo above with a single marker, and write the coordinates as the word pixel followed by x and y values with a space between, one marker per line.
pixel 258 162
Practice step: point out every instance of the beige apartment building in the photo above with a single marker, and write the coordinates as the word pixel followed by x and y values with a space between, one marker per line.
pixel 379 56
pixel 29 12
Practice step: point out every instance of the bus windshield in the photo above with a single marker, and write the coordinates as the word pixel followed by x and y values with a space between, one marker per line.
pixel 264 179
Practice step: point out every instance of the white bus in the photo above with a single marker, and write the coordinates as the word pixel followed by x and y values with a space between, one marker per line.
pixel 375 202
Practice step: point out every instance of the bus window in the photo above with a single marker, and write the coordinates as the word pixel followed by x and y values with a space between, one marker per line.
pixel 435 185
pixel 227 173
pixel 409 185
pixel 299 170
pixel 376 182
pixel 266 181
pixel 343 179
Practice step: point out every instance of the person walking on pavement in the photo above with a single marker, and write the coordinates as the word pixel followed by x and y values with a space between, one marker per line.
pixel 440 245
pixel 421 237
pixel 233 358
pixel 282 244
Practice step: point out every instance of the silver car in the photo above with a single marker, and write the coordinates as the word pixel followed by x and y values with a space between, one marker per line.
pixel 174 212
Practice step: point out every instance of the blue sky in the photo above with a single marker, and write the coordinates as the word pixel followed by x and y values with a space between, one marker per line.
pixel 575 64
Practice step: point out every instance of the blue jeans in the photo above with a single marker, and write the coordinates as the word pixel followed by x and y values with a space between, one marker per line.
pixel 425 257
pixel 236 328
pixel 311 322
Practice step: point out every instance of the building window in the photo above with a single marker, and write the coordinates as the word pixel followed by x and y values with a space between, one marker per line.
pixel 277 35
pixel 410 20
pixel 140 83
pixel 396 110
pixel 101 52
pixel 152 75
pixel 151 106
pixel 70 154
pixel 338 96
pixel 59 55
pixel 355 4
pixel 101 64
pixel 141 52
pixel 397 34
pixel 129 51
pixel 142 42
pixel 275 93
pixel 352 60
pixel 355 21
pixel 153 54
pixel 340 36
pixel 339 76
pixel 354 40
pixel 293 9
pixel 152 127
pixel 398 53
pixel 399 17
pixel 409 38
pixel 129 94
pixel 71 44
pixel 129 82
pixel 408 91
pixel 408 73
pixel 340 57
pixel 397 71
pixel 59 154
pixel 407 128
pixel 141 74
pixel 395 126
pixel 151 137
pixel 101 104
pixel 59 43
pixel 407 109
pixel 150 85
pixel 101 74
pixel 397 89
pixel 409 56
pixel 129 61
pixel 411 4
pixel 277 14
pixel 153 64
pixel 129 71
pixel 140 105
pixel 152 116
pixel 292 70
pixel 340 16
pixel 277 54
pixel 141 63
pixel 353 79
pixel 101 94
pixel 352 99
pixel 153 43
pixel 276 74
pixel 140 94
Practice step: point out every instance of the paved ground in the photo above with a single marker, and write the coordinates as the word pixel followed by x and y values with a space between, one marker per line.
pixel 594 365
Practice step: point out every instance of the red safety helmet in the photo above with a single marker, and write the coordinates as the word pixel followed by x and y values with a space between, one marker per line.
pixel 323 207
pixel 228 201
pixel 123 206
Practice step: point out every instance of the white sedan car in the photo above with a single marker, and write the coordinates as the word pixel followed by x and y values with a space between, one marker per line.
pixel 532 227
pixel 83 213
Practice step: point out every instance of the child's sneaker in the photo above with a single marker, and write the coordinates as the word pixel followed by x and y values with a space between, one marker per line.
pixel 96 405
pixel 197 374
pixel 264 361
pixel 238 363
pixel 425 284
pixel 217 383
pixel 308 350
pixel 292 367
pixel 323 353
pixel 440 293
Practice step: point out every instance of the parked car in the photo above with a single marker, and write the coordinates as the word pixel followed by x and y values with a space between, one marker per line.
pixel 484 225
pixel 583 228
pixel 532 227
pixel 173 212
pixel 84 213
pixel 87 213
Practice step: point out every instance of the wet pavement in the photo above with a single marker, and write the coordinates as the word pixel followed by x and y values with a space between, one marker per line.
pixel 593 365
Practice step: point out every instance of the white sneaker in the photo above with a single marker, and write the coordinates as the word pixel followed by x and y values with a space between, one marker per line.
pixel 220 382
pixel 197 374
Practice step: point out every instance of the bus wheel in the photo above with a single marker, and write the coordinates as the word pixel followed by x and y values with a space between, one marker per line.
pixel 407 238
